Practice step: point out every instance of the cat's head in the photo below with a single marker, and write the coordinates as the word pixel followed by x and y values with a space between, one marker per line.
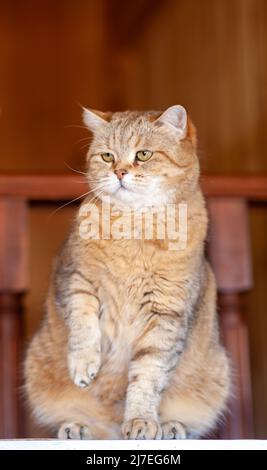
pixel 142 158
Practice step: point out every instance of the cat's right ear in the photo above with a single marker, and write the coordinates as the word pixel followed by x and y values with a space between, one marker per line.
pixel 94 120
pixel 175 118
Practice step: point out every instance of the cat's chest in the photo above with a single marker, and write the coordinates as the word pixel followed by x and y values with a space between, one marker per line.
pixel 129 271
pixel 128 261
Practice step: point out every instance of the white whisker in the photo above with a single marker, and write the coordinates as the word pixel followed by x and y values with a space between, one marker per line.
pixel 76 125
pixel 73 200
pixel 84 146
pixel 73 169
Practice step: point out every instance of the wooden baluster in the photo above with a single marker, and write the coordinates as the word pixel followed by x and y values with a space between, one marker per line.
pixel 13 282
pixel 229 251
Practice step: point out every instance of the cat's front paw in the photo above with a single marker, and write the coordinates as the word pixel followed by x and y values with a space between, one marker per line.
pixel 84 365
pixel 141 429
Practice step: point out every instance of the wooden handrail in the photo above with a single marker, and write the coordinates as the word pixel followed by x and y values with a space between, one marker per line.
pixel 52 187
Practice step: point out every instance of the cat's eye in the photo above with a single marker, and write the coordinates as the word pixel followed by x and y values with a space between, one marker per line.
pixel 107 157
pixel 143 155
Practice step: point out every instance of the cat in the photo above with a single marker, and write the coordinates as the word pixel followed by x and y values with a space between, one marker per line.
pixel 129 346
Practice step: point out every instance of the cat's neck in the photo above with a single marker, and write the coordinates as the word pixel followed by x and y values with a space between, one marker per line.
pixel 151 204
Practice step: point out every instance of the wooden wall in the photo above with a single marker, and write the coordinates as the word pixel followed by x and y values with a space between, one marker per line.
pixel 52 60
pixel 208 55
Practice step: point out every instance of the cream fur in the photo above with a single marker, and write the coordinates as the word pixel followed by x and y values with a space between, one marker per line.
pixel 129 346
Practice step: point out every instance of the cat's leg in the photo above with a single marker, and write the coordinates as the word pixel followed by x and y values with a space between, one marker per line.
pixel 84 346
pixel 185 416
pixel 77 415
pixel 194 402
pixel 155 355
pixel 197 392
pixel 67 410
pixel 81 311
pixel 71 413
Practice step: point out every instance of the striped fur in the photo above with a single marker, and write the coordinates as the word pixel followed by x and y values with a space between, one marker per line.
pixel 129 345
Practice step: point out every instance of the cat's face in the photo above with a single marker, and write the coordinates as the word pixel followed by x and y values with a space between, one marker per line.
pixel 141 159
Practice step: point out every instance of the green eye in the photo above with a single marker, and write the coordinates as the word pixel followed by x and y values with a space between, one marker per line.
pixel 107 157
pixel 143 155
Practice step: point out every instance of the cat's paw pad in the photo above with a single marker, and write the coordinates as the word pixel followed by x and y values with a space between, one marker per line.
pixel 141 429
pixel 84 366
pixel 74 431
pixel 173 430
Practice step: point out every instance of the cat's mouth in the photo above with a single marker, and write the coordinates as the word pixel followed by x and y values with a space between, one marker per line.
pixel 123 187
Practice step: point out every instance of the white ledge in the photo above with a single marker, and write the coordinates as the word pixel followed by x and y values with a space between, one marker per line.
pixel 52 444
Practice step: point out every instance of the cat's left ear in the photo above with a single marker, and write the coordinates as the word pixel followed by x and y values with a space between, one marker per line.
pixel 176 118
pixel 94 120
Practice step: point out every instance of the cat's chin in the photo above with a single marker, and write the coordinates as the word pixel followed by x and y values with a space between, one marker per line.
pixel 125 194
pixel 125 197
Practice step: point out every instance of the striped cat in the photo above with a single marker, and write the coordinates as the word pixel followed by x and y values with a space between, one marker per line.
pixel 129 346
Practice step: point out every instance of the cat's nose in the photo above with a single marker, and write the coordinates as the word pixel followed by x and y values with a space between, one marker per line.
pixel 120 173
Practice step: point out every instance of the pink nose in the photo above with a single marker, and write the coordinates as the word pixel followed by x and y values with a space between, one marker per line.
pixel 120 173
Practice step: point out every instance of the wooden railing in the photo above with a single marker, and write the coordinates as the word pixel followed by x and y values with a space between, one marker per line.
pixel 229 251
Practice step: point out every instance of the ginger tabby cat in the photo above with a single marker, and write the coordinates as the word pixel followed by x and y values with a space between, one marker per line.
pixel 129 347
